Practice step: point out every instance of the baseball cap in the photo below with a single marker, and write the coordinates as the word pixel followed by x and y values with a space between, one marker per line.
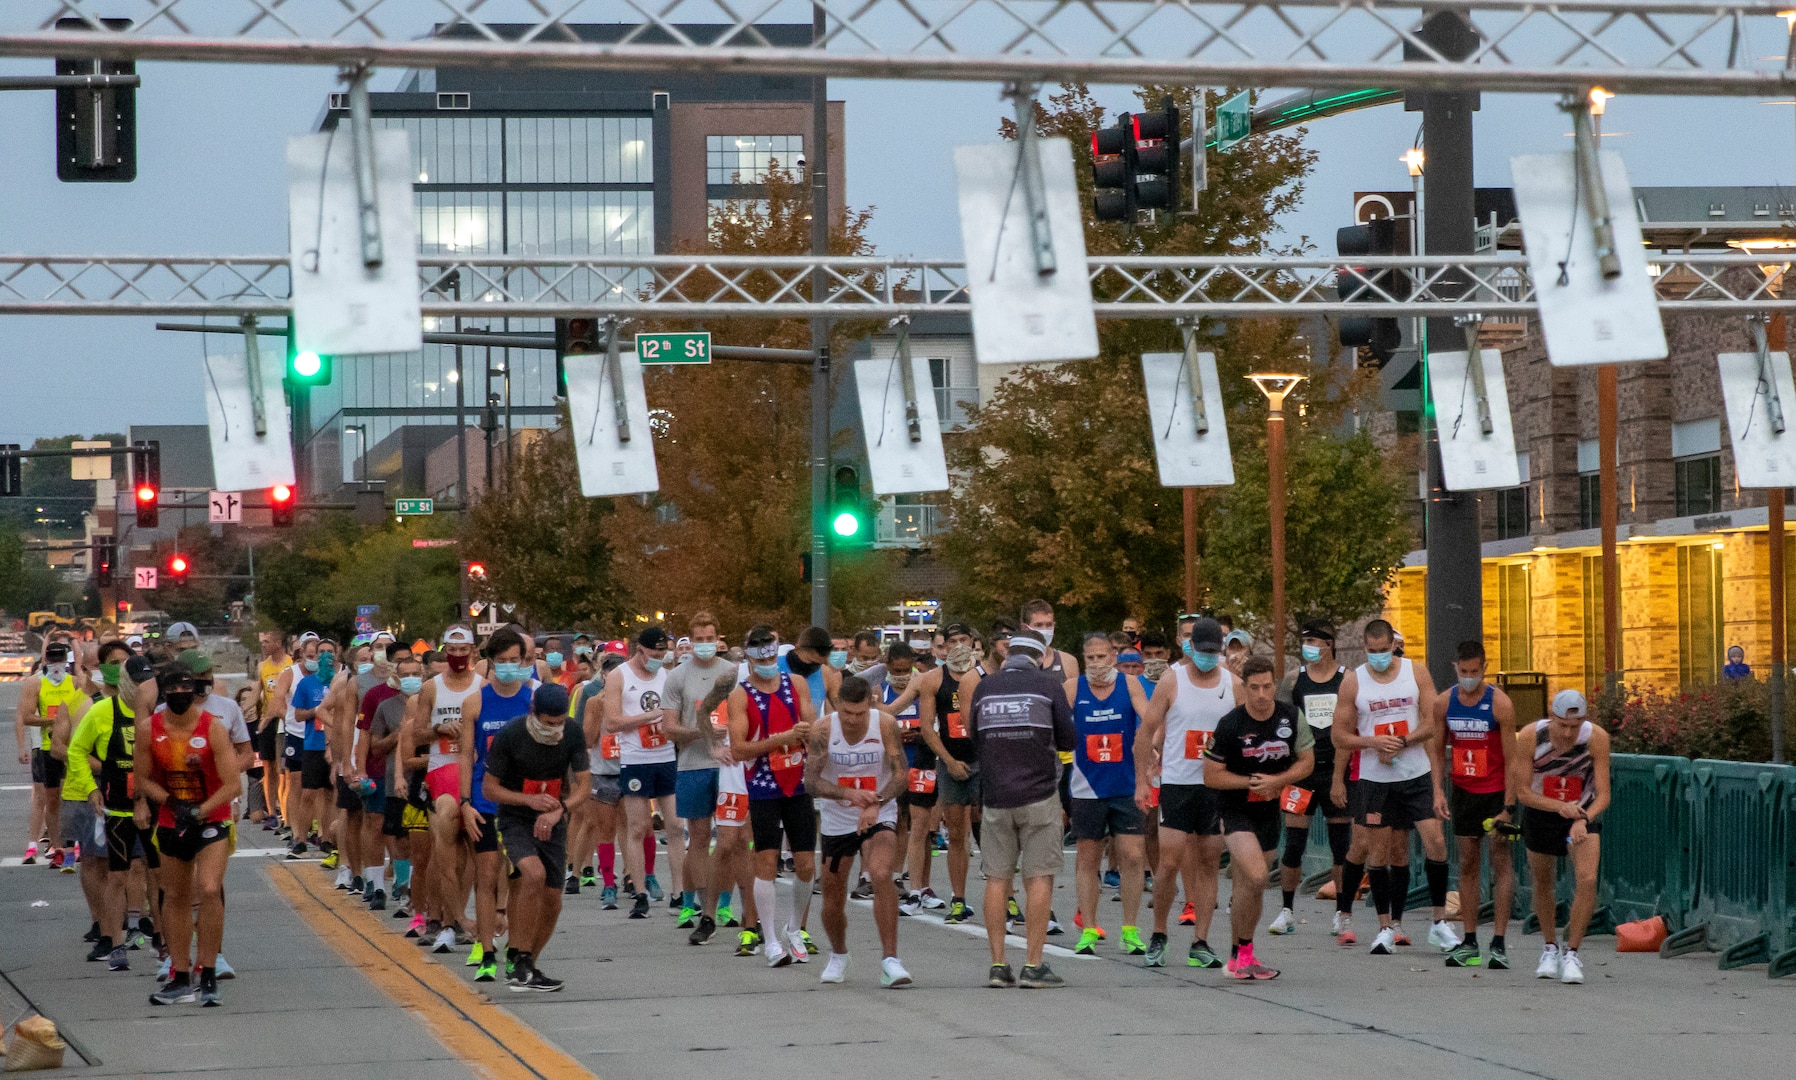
pixel 1318 628
pixel 1245 638
pixel 195 661
pixel 309 635
pixel 1206 635
pixel 551 700
pixel 652 638
pixel 139 669
pixel 458 635
pixel 181 629
pixel 617 648
pixel 56 652
pixel 135 641
pixel 383 636
pixel 957 628
pixel 1570 704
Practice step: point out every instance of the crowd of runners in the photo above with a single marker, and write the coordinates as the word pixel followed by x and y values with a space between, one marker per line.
pixel 466 790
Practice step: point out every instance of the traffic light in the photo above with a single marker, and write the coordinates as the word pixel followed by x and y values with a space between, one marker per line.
pixel 96 130
pixel 280 506
pixel 1113 171
pixel 306 368
pixel 847 513
pixel 178 569
pixel 146 481
pixel 12 473
pixel 578 336
pixel 1380 337
pixel 1135 165
pixel 105 556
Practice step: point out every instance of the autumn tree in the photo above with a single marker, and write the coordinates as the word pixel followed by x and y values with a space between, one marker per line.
pixel 328 567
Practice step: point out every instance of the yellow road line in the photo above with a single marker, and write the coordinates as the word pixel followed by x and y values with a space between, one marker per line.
pixel 487 1038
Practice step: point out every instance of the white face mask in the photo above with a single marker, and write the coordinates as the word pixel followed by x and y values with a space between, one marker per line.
pixel 1046 632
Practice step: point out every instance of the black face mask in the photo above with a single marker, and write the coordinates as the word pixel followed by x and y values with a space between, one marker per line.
pixel 179 701
pixel 800 667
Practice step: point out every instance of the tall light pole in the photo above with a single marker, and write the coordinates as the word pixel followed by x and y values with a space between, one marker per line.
pixel 1276 386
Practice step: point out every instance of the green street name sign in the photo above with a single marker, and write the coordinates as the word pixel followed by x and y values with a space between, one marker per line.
pixel 688 348
pixel 414 507
pixel 1234 119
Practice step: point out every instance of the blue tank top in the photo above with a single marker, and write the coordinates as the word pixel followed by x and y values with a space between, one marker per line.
pixel 1104 746
pixel 814 682
pixel 912 714
pixel 1475 759
pixel 495 712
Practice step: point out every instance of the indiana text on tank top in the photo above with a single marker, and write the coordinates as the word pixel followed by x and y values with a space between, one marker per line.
pixel 860 765
pixel 1475 757
pixel 951 718
pixel 1190 721
pixel 496 711
pixel 1104 741
pixel 649 743
pixel 1567 775
pixel 780 771
pixel 446 749
pixel 1390 708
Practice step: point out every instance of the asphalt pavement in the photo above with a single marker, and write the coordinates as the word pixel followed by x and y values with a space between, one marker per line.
pixel 333 991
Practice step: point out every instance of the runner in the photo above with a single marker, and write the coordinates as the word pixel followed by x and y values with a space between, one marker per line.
pixel 275 662
pixel 292 746
pixel 1236 648
pixel 770 721
pixel 1107 714
pixel 557 665
pixel 808 658
pixel 1314 691
pixel 1399 787
pixel 942 695
pixel 1021 720
pixel 693 708
pixel 536 769
pixel 854 765
pixel 106 734
pixel 918 817
pixel 596 820
pixel 1259 735
pixel 49 700
pixel 649 775
pixel 1479 723
pixel 1181 716
pixel 438 708
pixel 377 762
pixel 183 769
pixel 505 697
pixel 1567 790
pixel 82 812
pixel 865 652
pixel 313 718
pixel 1156 655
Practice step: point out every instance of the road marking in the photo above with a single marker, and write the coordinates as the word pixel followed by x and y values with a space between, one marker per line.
pixel 977 929
pixel 494 1043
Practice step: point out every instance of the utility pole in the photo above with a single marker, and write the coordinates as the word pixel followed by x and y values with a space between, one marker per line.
pixel 818 160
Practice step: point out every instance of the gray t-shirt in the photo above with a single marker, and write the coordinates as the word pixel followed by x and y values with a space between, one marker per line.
pixel 389 717
pixel 687 687
pixel 601 765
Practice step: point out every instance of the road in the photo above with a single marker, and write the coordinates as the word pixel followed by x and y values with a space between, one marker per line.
pixel 335 991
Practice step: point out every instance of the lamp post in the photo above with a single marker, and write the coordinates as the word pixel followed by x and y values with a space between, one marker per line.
pixel 1276 386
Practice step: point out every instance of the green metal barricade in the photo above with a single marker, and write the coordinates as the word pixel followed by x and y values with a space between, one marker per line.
pixel 1742 830
pixel 1649 839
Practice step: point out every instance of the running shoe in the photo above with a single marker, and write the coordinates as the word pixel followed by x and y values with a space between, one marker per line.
pixel 1341 921
pixel 1039 977
pixel 1571 968
pixel 358 886
pixel 800 945
pixel 892 973
pixel 589 878
pixel 163 964
pixel 629 886
pixel 297 851
pixel 931 901
pixel 487 972
pixel 1054 927
pixel 118 959
pixel 1442 937
pixel 958 911
pixel 1156 951
pixel 444 942
pixel 1088 943
pixel 836 971
pixel 608 897
pixel 417 926
pixel 462 937
pixel 1131 941
pixel 1464 956
pixel 93 933
pixel 688 917
pixel 517 971
pixel 909 904
pixel 1497 959
pixel 1549 967
pixel 674 903
pixel 654 888
pixel 179 991
pixel 1397 934
pixel 222 969
pixel 640 910
pixel 378 902
pixel 99 952
pixel 1012 913
pixel 209 995
pixel 726 917
pixel 1112 879
pixel 537 983
pixel 1147 881
pixel 30 855
pixel 707 927
pixel 1000 977
pixel 747 943
pixel 1247 969
pixel 1201 956
pixel 572 888
pixel 805 936
pixel 1344 935
pixel 777 957
pixel 1079 924
pixel 1385 942
pixel 863 889
pixel 330 861
pixel 56 858
pixel 1286 923
pixel 475 955
pixel 1188 916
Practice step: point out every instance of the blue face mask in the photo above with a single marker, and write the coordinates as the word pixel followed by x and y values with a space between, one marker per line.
pixel 653 663
pixel 508 672
pixel 1311 653
pixel 553 658
pixel 1204 661
pixel 767 671
pixel 309 665
pixel 411 684
pixel 1379 661
pixel 838 659
pixel 705 650
pixel 327 666
pixel 363 668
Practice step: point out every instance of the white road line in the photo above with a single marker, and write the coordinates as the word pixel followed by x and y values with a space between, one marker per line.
pixel 240 853
pixel 972 929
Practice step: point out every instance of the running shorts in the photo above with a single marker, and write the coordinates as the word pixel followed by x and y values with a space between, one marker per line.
pixel 1190 808
pixel 844 847
pixel 793 815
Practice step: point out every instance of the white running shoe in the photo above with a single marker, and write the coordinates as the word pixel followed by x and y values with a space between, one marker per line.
pixel 445 941
pixel 1549 963
pixel 795 941
pixel 222 969
pixel 910 904
pixel 1341 921
pixel 836 971
pixel 342 877
pixel 776 956
pixel 1571 969
pixel 1286 923
pixel 892 973
pixel 1385 943
pixel 931 901
pixel 1442 937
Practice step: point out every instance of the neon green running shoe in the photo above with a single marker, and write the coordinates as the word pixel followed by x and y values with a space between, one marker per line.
pixel 475 956
pixel 1088 942
pixel 1132 945
pixel 487 972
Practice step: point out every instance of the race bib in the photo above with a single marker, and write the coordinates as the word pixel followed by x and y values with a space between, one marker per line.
pixel 957 727
pixel 1196 742
pixel 785 759
pixel 1564 788
pixel 922 781
pixel 910 723
pixel 732 806
pixel 1399 728
pixel 1319 710
pixel 1471 761
pixel 720 719
pixel 448 746
pixel 1296 800
pixel 651 736
pixel 543 787
pixel 1153 795
pixel 858 783
pixel 609 748
pixel 1104 749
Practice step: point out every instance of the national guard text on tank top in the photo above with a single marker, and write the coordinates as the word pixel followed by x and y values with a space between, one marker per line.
pixel 1389 708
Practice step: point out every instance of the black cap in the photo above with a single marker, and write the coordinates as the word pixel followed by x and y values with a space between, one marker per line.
pixel 652 638
pixel 56 652
pixel 1319 628
pixel 957 628
pixel 1206 632
pixel 139 669
pixel 551 700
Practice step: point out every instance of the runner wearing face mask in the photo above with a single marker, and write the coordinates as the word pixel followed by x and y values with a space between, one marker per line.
pixel 1107 709
pixel 864 653
pixel 438 714
pixel 649 777
pixel 841 650
pixel 505 697
pixel 917 818
pixel 943 695
pixel 1313 692
pixel 697 722
pixel 50 703
pixel 1038 615
pixel 377 761
pixel 312 714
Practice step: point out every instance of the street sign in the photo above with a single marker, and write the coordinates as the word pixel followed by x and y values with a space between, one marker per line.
pixel 475 607
pixel 98 467
pixel 687 348
pixel 414 507
pixel 225 508
pixel 145 577
pixel 364 618
pixel 485 628
pixel 1234 118
pixel 434 542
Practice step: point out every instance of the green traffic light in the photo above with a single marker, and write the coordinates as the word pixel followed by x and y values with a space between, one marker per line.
pixel 847 523
pixel 307 365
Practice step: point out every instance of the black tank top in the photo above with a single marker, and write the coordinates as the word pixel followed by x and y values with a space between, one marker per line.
pixel 951 719
pixel 1302 691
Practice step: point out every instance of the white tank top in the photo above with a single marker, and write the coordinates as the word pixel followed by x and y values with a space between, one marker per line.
pixel 861 765
pixel 1189 722
pixel 290 725
pixel 1389 709
pixel 443 749
pixel 647 744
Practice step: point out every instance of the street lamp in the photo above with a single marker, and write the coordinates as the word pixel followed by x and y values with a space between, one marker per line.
pixel 1276 386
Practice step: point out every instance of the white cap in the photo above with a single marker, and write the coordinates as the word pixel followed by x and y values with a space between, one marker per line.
pixel 383 635
pixel 1570 704
pixel 180 628
pixel 458 635
pixel 309 635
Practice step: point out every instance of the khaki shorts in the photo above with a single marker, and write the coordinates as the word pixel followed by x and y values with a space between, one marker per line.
pixel 1024 840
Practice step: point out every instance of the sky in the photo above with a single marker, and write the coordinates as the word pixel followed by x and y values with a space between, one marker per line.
pixel 211 144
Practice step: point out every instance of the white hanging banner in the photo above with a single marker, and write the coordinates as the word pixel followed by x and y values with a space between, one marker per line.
pixel 1585 317
pixel 241 459
pixel 610 465
pixel 341 306
pixel 1187 458
pixel 1764 457
pixel 1019 313
pixel 898 464
pixel 1471 458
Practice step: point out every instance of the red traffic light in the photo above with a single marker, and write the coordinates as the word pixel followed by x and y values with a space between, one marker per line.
pixel 477 571
pixel 280 505
pixel 177 564
pixel 280 493
pixel 146 493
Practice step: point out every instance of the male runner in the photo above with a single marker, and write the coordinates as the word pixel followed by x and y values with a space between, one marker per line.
pixel 438 708
pixel 1107 715
pixel 505 697
pixel 292 745
pixel 1379 714
pixel 275 661
pixel 107 734
pixel 855 768
pixel 1314 691
pixel 313 717
pixel 942 695
pixel 79 823
pixel 695 694
pixel 1479 722
pixel 536 769
pixel 865 652
pixel 377 760
pixel 917 816
pixel 1566 791
pixel 649 777
pixel 1256 753
pixel 596 826
pixel 1181 717
pixel 49 700
pixel 809 659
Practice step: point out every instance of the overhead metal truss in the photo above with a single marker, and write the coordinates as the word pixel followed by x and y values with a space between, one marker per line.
pixel 778 287
pixel 1628 46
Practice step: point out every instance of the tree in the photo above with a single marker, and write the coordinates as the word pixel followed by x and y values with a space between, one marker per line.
pixel 26 584
pixel 331 566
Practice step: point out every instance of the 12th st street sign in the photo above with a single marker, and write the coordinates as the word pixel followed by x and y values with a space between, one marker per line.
pixel 690 348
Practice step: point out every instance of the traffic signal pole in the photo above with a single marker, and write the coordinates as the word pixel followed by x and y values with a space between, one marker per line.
pixel 817 158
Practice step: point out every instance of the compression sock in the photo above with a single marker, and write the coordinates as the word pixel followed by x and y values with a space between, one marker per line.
pixel 648 854
pixel 402 873
pixel 801 902
pixel 768 897
pixel 608 864
pixel 378 875
pixel 1290 897
pixel 688 898
pixel 1399 892
pixel 1340 840
pixel 1437 882
pixel 1352 874
pixel 1380 877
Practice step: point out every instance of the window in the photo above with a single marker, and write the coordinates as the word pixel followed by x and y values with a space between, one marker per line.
pixel 1594 660
pixel 1697 482
pixel 733 211
pixel 1699 614
pixel 746 159
pixel 1512 513
pixel 1514 640
pixel 1590 501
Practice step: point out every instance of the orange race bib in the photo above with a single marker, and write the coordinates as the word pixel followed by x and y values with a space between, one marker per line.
pixel 447 745
pixel 957 727
pixel 1296 800
pixel 922 781
pixel 732 806
pixel 1196 742
pixel 858 783
pixel 785 759
pixel 543 787
pixel 1104 749
pixel 651 736
pixel 910 723
pixel 1564 788
pixel 720 719
pixel 1399 728
pixel 608 747
pixel 1471 761
pixel 1153 795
